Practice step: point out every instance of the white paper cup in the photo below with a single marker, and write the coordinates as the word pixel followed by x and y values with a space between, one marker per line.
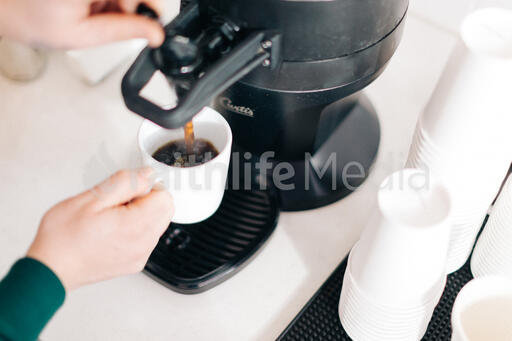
pixel 197 191
pixel 489 31
pixel 473 182
pixel 493 251
pixel 471 104
pixel 407 238
pixel 463 136
pixel 365 319
pixel 482 311
pixel 396 272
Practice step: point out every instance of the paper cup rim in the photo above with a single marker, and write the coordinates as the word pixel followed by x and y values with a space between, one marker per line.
pixel 481 33
pixel 480 285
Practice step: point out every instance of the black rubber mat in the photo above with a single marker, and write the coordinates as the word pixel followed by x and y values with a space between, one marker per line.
pixel 319 319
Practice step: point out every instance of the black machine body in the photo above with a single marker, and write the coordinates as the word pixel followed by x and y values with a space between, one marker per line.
pixel 287 76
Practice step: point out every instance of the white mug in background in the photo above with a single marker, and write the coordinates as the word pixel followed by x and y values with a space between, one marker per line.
pixel 95 64
pixel 198 190
pixel 21 62
pixel 482 310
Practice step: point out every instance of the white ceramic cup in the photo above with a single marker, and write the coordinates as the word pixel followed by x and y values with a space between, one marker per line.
pixel 95 64
pixel 482 310
pixel 20 62
pixel 198 190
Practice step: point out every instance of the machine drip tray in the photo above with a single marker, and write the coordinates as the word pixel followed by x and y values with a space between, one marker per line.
pixel 191 259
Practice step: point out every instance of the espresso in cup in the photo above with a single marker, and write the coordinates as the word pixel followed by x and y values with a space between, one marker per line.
pixel 179 154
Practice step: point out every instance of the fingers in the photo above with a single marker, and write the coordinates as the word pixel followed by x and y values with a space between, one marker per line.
pixel 98 7
pixel 110 27
pixel 130 6
pixel 121 188
pixel 158 206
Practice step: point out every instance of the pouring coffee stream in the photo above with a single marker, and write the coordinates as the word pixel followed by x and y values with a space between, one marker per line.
pixel 189 137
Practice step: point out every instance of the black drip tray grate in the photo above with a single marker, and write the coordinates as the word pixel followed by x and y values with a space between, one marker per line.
pixel 193 258
pixel 319 319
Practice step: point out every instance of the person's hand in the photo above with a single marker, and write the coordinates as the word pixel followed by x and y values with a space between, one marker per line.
pixel 105 232
pixel 78 23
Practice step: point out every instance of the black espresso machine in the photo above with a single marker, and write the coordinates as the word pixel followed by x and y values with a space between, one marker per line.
pixel 287 75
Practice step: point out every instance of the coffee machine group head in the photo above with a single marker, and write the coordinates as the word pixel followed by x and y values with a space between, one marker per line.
pixel 287 76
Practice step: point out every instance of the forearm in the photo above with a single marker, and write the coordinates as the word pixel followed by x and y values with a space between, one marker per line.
pixel 30 295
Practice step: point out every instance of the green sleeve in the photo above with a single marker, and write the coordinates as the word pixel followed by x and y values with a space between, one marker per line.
pixel 30 295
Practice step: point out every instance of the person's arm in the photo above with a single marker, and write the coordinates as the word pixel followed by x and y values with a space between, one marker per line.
pixel 77 23
pixel 103 233
pixel 29 296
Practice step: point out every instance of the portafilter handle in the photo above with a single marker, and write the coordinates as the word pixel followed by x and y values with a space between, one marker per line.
pixel 201 58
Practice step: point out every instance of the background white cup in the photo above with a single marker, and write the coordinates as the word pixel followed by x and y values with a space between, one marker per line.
pixel 482 310
pixel 197 191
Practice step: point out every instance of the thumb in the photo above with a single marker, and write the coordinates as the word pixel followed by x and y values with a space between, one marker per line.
pixel 110 27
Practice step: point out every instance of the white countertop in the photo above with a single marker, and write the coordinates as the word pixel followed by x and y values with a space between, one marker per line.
pixel 59 137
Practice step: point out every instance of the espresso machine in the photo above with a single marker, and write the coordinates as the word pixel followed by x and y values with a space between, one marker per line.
pixel 287 76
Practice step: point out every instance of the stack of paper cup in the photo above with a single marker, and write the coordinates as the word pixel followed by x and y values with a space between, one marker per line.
pixel 482 310
pixel 396 272
pixel 493 251
pixel 463 136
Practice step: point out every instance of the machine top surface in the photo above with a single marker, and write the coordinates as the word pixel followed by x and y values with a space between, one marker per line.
pixel 316 30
